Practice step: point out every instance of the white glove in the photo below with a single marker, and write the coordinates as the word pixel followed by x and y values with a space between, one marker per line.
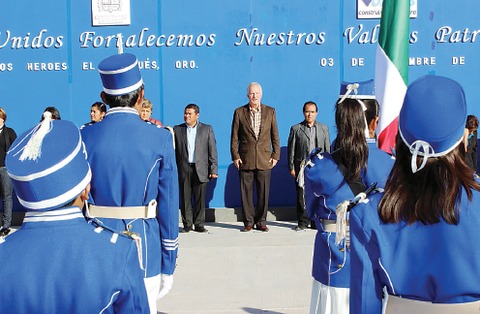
pixel 166 283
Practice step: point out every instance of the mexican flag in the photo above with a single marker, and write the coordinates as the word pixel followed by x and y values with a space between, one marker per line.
pixel 391 68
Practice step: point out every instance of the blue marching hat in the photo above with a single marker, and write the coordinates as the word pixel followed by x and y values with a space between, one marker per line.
pixel 48 165
pixel 120 74
pixel 432 118
pixel 358 90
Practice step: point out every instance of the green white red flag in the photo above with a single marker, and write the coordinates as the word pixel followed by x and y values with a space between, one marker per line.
pixel 391 68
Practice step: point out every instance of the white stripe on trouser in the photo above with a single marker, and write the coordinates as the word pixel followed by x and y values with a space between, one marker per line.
pixel 329 300
pixel 152 285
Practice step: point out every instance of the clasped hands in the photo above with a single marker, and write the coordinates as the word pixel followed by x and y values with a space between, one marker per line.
pixel 238 161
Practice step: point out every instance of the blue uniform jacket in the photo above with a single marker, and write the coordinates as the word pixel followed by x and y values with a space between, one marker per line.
pixel 325 188
pixel 132 163
pixel 437 263
pixel 58 263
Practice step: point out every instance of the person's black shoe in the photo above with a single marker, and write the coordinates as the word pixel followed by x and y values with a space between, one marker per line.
pixel 299 229
pixel 201 229
pixel 186 230
pixel 4 231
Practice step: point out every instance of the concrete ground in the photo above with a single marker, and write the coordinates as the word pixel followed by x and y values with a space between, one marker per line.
pixel 228 271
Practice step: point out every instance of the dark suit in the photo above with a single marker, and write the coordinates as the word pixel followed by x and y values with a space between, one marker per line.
pixel 298 151
pixel 255 155
pixel 193 177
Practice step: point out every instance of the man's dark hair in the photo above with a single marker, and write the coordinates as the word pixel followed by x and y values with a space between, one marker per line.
pixel 127 100
pixel 310 103
pixel 194 107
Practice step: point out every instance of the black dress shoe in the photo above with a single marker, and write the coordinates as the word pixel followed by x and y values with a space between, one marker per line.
pixel 4 231
pixel 201 229
pixel 186 230
pixel 299 228
pixel 247 229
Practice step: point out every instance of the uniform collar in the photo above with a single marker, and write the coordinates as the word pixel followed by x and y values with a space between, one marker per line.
pixel 67 213
pixel 115 110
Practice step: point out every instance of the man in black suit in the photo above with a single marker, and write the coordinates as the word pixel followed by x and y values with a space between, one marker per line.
pixel 196 155
pixel 303 138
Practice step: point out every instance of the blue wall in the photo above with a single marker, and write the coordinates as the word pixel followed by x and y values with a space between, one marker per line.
pixel 224 57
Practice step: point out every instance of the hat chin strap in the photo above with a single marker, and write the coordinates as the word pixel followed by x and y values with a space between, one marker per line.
pixel 350 88
pixel 426 152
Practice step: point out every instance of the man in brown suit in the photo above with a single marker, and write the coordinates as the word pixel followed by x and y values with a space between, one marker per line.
pixel 255 149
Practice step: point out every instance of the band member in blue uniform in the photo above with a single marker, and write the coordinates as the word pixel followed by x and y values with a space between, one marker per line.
pixel 330 179
pixel 134 174
pixel 57 262
pixel 416 240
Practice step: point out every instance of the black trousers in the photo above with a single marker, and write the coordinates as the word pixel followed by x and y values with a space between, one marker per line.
pixel 261 179
pixel 302 216
pixel 192 199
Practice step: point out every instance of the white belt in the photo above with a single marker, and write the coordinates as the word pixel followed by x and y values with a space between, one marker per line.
pixel 123 212
pixel 401 305
pixel 329 225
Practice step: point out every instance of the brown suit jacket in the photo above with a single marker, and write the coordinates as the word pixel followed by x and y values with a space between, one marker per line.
pixel 255 154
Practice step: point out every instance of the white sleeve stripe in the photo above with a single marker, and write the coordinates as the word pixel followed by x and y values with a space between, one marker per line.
pixel 171 248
